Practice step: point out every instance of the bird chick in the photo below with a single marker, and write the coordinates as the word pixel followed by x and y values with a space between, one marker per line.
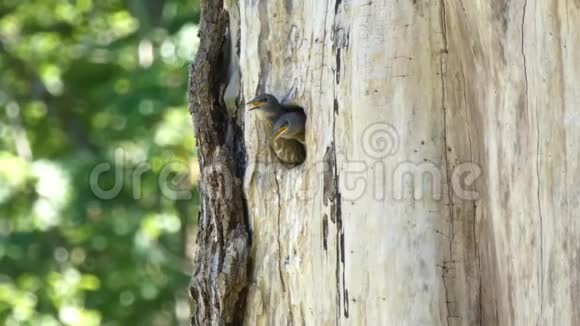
pixel 286 123
pixel 287 140
pixel 267 106
pixel 269 109
pixel 290 125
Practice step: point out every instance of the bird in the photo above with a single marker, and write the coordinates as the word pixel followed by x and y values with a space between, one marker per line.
pixel 287 140
pixel 290 125
pixel 286 124
pixel 269 109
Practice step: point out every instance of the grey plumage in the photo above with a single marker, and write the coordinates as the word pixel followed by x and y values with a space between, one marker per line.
pixel 286 124
pixel 294 122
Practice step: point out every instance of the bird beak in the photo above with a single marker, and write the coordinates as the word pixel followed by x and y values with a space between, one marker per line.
pixel 280 132
pixel 252 105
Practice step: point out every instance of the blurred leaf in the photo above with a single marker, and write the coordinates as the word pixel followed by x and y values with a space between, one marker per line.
pixel 83 80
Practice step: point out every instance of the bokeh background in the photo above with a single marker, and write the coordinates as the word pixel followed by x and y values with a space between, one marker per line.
pixel 79 81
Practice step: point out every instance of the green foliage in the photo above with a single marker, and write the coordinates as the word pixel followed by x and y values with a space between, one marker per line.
pixel 82 81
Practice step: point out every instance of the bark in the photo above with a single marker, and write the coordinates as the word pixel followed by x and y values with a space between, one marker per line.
pixel 482 97
pixel 220 264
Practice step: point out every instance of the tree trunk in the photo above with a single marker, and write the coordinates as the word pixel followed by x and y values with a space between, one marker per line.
pixel 441 183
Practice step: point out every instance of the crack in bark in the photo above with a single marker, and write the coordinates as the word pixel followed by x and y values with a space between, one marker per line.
pixel 279 241
pixel 480 292
pixel 442 71
pixel 476 245
pixel 538 161
pixel 444 269
pixel 337 72
pixel 323 48
pixel 331 194
pixel 333 198
pixel 332 185
pixel 538 193
pixel 325 231
pixel 336 5
pixel 262 49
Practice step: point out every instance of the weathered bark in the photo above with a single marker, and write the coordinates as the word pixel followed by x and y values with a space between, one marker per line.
pixel 393 88
pixel 220 266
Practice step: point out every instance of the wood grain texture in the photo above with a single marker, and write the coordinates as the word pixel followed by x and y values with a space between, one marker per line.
pixel 345 238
